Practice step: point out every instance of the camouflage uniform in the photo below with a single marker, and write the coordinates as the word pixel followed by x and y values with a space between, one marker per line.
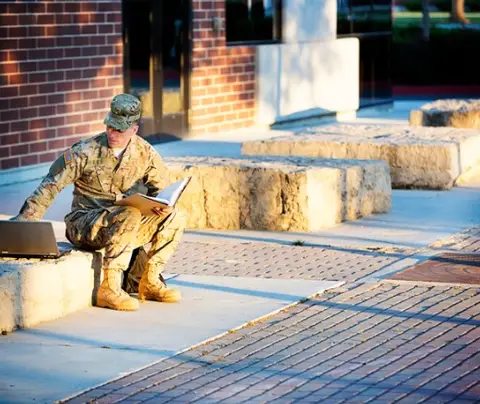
pixel 99 180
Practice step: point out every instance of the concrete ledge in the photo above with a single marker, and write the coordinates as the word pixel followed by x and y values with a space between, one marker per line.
pixel 418 157
pixel 453 113
pixel 280 193
pixel 37 290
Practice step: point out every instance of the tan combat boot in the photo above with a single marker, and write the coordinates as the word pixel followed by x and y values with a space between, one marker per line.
pixel 110 294
pixel 152 288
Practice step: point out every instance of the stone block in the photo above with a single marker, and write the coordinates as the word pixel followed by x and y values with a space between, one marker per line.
pixel 453 113
pixel 37 290
pixel 280 193
pixel 418 157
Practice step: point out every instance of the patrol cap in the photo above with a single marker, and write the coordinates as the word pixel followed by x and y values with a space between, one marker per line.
pixel 125 110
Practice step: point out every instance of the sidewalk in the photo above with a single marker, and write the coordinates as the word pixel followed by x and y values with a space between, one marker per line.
pixel 369 340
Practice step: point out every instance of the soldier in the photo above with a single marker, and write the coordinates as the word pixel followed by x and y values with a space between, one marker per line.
pixel 104 169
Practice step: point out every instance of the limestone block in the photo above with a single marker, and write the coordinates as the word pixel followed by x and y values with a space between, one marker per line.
pixel 418 157
pixel 37 290
pixel 8 288
pixel 280 193
pixel 453 113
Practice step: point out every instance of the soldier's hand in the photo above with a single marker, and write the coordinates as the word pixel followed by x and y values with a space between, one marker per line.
pixel 163 211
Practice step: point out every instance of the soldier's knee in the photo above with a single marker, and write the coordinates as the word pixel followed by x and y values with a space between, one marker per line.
pixel 128 216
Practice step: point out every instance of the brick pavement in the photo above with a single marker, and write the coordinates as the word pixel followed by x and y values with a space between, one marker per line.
pixel 281 261
pixel 363 342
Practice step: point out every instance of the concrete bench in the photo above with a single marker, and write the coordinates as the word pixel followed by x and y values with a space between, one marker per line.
pixel 418 157
pixel 37 290
pixel 453 113
pixel 280 193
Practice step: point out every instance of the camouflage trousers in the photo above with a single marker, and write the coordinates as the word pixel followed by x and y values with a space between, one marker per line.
pixel 122 230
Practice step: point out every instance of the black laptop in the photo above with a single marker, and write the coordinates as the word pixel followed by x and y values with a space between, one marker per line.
pixel 28 239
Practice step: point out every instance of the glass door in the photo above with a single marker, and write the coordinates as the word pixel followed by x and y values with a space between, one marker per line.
pixel 156 64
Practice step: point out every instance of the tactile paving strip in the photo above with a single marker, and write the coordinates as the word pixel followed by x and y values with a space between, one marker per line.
pixel 457 268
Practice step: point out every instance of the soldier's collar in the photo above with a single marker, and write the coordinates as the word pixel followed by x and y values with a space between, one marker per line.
pixel 131 149
pixel 103 140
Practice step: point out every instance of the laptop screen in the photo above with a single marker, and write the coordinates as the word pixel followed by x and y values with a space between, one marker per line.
pixel 27 239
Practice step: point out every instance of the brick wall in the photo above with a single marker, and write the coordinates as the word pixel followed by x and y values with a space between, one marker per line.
pixel 223 78
pixel 60 65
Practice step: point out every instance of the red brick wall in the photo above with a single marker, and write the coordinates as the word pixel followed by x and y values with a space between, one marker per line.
pixel 223 78
pixel 60 65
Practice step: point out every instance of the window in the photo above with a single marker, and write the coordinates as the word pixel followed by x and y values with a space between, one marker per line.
pixel 364 16
pixel 253 20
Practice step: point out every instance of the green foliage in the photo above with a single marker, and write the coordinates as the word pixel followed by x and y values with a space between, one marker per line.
pixel 442 5
pixel 414 19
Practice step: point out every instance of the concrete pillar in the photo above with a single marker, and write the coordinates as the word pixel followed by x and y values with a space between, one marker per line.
pixel 309 20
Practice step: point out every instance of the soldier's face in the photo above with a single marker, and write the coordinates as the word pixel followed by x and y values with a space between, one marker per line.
pixel 119 139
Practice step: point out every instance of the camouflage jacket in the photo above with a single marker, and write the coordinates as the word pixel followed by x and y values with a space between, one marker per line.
pixel 99 178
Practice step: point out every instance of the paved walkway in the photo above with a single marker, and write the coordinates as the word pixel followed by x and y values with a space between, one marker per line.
pixel 367 341
pixel 282 261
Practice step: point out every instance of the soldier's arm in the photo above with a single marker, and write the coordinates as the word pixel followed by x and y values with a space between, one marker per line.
pixel 64 171
pixel 157 175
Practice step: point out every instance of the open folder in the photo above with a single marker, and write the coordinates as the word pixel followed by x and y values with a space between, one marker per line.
pixel 167 197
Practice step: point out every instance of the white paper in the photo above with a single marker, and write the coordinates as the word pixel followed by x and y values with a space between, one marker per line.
pixel 169 195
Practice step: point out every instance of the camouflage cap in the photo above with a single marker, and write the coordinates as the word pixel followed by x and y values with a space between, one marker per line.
pixel 125 110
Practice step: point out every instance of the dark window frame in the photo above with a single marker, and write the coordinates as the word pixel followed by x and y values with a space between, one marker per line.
pixel 277 17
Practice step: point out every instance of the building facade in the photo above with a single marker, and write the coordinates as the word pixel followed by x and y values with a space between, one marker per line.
pixel 198 65
pixel 60 64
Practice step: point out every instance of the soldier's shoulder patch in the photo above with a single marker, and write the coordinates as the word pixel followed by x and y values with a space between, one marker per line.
pixel 58 165
pixel 68 157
